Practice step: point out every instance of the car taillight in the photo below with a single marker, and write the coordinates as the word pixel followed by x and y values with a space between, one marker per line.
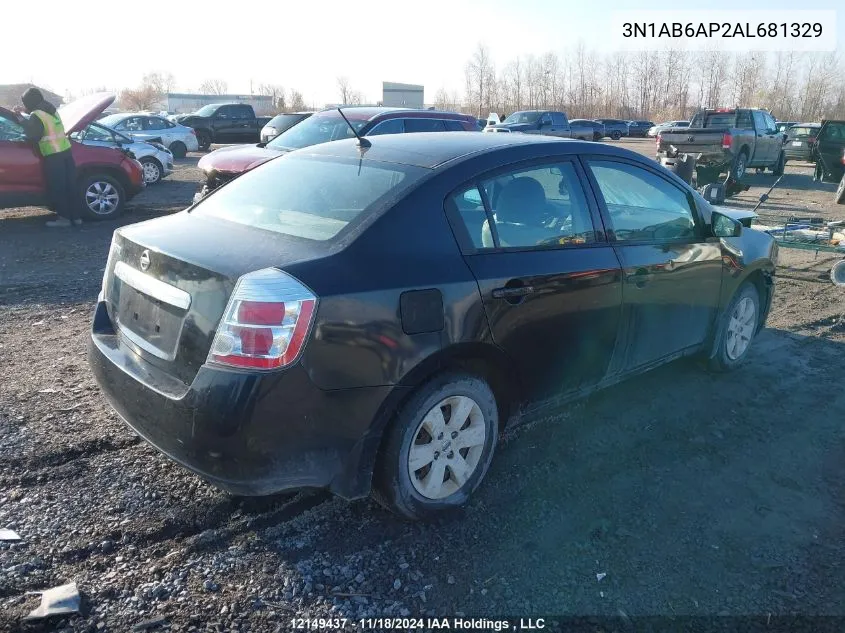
pixel 843 158
pixel 658 138
pixel 266 322
pixel 811 140
pixel 726 141
pixel 193 131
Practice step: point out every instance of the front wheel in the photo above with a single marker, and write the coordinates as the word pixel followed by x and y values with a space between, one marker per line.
pixel 438 448
pixel 737 329
pixel 203 140
pixel 777 170
pixel 152 170
pixel 615 135
pixel 818 173
pixel 178 149
pixel 840 191
pixel 102 197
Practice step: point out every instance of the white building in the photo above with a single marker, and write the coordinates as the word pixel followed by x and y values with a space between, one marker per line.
pixel 402 95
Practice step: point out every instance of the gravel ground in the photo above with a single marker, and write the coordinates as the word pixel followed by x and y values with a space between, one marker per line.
pixel 695 494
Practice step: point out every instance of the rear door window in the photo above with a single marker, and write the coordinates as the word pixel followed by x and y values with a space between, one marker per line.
pixel 424 125
pixel 391 126
pixel 833 132
pixel 642 205
pixel 453 126
pixel 309 197
pixel 534 207
pixel 558 120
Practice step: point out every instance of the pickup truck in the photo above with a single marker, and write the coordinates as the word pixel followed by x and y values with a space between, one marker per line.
pixel 534 122
pixel 224 123
pixel 728 140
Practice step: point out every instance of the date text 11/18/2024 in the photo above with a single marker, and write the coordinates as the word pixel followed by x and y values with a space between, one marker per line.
pixel 410 624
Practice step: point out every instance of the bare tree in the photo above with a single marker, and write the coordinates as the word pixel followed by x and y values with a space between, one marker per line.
pixel 297 103
pixel 160 82
pixel 441 100
pixel 214 87
pixel 276 93
pixel 479 73
pixel 345 89
pixel 143 98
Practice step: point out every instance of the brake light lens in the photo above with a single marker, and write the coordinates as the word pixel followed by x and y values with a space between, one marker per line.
pixel 193 131
pixel 266 323
pixel 726 141
pixel 658 138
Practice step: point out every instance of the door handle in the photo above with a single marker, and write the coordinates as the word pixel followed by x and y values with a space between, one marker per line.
pixel 512 292
pixel 640 278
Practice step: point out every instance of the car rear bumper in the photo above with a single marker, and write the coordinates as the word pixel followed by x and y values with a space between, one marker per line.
pixel 247 433
pixel 797 154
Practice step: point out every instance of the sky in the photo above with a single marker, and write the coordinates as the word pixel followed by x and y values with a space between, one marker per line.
pixel 303 45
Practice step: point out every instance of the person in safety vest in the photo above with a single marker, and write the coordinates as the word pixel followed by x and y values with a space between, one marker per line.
pixel 44 128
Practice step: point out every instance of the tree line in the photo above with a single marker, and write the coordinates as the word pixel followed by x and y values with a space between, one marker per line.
pixel 654 85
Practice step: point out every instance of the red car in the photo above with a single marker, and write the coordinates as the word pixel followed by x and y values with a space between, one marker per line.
pixel 107 177
pixel 222 165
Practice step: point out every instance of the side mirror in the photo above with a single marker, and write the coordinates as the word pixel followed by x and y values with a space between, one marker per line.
pixel 723 226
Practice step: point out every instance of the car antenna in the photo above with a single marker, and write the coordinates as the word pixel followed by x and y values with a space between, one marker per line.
pixel 362 142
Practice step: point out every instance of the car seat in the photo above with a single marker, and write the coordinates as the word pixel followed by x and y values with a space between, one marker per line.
pixel 519 213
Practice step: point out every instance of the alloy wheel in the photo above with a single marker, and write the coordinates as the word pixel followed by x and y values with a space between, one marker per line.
pixel 741 328
pixel 152 172
pixel 447 447
pixel 101 197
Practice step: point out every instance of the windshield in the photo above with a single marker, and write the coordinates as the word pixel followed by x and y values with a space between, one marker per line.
pixel 284 121
pixel 207 110
pixel 523 117
pixel 309 197
pixel 320 128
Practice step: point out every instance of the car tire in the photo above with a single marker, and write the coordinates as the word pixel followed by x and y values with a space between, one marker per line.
pixel 152 170
pixel 818 175
pixel 739 166
pixel 178 149
pixel 615 135
pixel 102 197
pixel 203 140
pixel 777 170
pixel 840 191
pixel 424 420
pixel 596 136
pixel 737 328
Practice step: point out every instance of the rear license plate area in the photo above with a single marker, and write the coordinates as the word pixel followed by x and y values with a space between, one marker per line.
pixel 155 323
pixel 797 143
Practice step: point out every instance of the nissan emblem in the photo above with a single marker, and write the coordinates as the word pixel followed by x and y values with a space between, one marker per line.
pixel 145 260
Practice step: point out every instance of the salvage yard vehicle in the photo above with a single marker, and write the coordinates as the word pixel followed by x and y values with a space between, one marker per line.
pixel 586 129
pixel 365 315
pixel 155 158
pixel 639 128
pixel 282 123
pixel 106 177
pixel 226 163
pixel 179 139
pixel 614 128
pixel 655 130
pixel 224 123
pixel 534 122
pixel 800 139
pixel 827 151
pixel 728 140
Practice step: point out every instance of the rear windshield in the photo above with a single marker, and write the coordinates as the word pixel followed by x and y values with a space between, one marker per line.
pixel 309 197
pixel 797 130
pixel 319 128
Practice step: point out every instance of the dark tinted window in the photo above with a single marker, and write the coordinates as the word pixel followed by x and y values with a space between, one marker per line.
pixel 538 206
pixel 558 119
pixel 391 126
pixel 242 112
pixel 834 132
pixel 641 204
pixel 760 121
pixel 307 197
pixel 225 112
pixel 424 125
pixel 453 126
pixel 11 130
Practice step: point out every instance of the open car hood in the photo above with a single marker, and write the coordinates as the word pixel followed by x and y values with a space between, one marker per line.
pixel 78 114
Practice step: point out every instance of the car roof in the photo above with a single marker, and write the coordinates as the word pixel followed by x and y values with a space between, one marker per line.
pixel 434 149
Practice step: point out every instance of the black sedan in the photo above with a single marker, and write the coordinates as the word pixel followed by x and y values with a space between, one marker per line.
pixel 367 317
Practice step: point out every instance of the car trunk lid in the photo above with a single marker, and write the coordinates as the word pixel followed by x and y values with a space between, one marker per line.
pixel 168 282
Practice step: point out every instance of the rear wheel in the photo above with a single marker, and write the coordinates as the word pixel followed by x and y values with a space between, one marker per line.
pixel 178 149
pixel 596 136
pixel 737 328
pixel 102 197
pixel 739 166
pixel 438 448
pixel 818 173
pixel 840 191
pixel 616 135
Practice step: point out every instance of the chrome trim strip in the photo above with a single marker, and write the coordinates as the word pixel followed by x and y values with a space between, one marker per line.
pixel 139 342
pixel 152 287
